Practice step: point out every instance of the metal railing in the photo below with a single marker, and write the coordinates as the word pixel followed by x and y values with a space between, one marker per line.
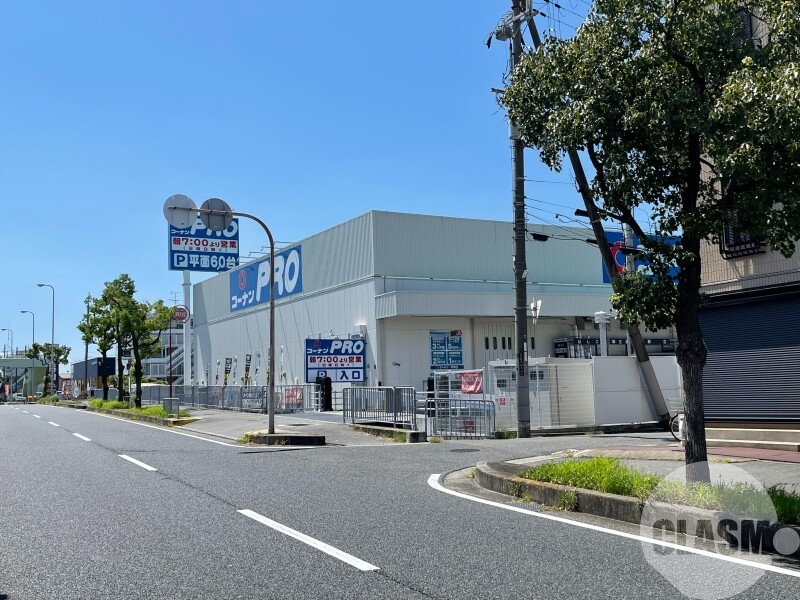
pixel 389 406
pixel 460 418
pixel 288 398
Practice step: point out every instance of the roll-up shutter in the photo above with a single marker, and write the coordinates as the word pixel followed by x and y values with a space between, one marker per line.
pixel 753 368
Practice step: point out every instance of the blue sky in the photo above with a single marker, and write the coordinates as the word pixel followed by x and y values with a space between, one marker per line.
pixel 304 114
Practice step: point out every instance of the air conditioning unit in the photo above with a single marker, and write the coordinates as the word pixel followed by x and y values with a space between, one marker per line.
pixel 358 332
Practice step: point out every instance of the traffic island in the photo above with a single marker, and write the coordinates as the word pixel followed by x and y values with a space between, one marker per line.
pixel 733 529
pixel 502 477
pixel 282 439
pixel 168 421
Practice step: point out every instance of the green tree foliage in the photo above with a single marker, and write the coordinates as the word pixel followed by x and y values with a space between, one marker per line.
pixel 138 324
pixel 98 327
pixel 46 353
pixel 682 111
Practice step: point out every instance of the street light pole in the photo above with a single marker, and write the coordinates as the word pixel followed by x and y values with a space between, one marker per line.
pixel 11 334
pixel 33 325
pixel 14 355
pixel 33 341
pixel 53 367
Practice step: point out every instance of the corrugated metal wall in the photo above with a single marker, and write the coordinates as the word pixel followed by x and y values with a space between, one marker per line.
pixel 454 248
pixel 753 368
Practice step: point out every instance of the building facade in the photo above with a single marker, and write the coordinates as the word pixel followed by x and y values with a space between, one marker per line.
pixel 753 339
pixel 412 294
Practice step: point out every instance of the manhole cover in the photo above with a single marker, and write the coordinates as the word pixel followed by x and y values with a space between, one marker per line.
pixel 465 450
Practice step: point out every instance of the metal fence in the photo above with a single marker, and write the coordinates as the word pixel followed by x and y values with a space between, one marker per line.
pixel 458 407
pixel 288 398
pixel 389 406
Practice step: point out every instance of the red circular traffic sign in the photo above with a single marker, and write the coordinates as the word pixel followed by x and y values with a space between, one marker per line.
pixel 180 313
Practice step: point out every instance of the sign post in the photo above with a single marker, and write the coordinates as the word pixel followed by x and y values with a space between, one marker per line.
pixel 178 210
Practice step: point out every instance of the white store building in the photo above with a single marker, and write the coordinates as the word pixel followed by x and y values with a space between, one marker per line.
pixel 422 293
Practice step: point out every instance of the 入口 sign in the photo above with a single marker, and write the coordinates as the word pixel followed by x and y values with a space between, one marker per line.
pixel 344 361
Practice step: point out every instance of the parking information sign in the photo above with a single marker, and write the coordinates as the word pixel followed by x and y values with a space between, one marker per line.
pixel 344 361
pixel 197 248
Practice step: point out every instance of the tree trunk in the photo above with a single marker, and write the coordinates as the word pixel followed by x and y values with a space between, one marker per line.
pixel 120 382
pixel 103 376
pixel 691 354
pixel 137 371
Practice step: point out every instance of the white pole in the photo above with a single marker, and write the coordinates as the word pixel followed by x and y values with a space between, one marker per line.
pixel 187 337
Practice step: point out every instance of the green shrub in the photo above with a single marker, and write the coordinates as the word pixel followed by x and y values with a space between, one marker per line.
pixel 96 403
pixel 47 400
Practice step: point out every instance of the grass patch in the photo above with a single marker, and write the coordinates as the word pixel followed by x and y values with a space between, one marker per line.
pixel 568 501
pixel 399 437
pixel 115 405
pixel 504 433
pixel 600 474
pixel 245 439
pixel 154 410
pixel 47 400
pixel 471 473
pixel 434 440
pixel 608 475
pixel 787 504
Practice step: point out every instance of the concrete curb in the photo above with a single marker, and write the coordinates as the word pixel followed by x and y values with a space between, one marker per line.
pixel 411 437
pixel 284 439
pixel 502 477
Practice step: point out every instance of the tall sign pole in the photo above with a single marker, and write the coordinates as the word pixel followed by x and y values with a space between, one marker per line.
pixel 180 211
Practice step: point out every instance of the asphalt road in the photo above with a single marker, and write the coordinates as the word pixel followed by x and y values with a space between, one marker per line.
pixel 216 520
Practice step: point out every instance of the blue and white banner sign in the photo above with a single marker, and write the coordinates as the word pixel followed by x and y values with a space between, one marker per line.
pixel 344 361
pixel 249 285
pixel 197 248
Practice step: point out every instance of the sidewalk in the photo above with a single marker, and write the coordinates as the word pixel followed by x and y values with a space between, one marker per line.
pixel 232 425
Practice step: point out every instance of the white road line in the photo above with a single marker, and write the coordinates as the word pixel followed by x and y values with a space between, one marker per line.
pixel 433 481
pixel 54 424
pixel 196 437
pixel 81 437
pixel 37 416
pixel 314 543
pixel 138 462
pixel 26 412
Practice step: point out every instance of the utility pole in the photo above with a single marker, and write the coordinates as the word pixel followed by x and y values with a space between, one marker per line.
pixel 520 263
pixel 634 335
pixel 86 354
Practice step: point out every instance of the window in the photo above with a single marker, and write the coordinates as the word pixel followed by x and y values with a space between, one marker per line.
pixel 732 243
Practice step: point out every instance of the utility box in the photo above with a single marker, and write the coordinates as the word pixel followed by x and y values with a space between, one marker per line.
pixel 171 406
